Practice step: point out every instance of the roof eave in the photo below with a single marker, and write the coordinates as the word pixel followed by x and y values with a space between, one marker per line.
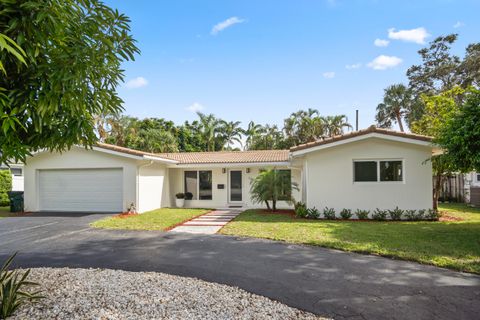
pixel 313 148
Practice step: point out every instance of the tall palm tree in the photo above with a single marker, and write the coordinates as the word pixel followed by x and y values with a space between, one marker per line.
pixel 209 125
pixel 335 125
pixel 397 102
pixel 252 132
pixel 231 133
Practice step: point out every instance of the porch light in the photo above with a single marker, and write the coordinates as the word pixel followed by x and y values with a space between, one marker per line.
pixel 248 170
pixel 224 170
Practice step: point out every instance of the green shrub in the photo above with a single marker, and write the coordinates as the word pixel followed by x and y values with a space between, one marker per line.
pixel 421 214
pixel 396 214
pixel 313 213
pixel 301 210
pixel 379 215
pixel 411 215
pixel 346 213
pixel 5 186
pixel 329 213
pixel 362 214
pixel 12 295
pixel 432 215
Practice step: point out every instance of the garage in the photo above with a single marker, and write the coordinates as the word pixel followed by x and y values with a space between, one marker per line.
pixel 81 190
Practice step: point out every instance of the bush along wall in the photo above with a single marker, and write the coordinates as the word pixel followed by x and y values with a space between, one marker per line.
pixel 395 214
pixel 5 187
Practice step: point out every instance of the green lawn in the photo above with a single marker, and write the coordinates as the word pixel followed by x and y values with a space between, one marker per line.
pixel 454 245
pixel 159 219
pixel 5 212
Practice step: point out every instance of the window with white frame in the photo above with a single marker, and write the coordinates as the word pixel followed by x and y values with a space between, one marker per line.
pixel 15 171
pixel 199 184
pixel 478 177
pixel 377 170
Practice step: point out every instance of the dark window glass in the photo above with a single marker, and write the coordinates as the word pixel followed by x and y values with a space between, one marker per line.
pixel 478 177
pixel 391 171
pixel 205 186
pixel 16 171
pixel 191 183
pixel 365 171
pixel 236 185
pixel 286 190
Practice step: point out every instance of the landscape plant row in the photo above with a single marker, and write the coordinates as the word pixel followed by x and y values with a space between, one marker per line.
pixel 396 214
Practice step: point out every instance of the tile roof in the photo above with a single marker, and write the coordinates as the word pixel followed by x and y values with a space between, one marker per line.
pixel 209 157
pixel 371 129
pixel 125 150
pixel 254 156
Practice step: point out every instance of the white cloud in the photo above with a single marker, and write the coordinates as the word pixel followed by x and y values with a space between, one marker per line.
pixel 353 66
pixel 381 42
pixel 459 24
pixel 195 107
pixel 383 62
pixel 225 24
pixel 329 75
pixel 417 35
pixel 137 82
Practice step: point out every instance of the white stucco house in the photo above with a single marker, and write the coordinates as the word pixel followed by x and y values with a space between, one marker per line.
pixel 365 169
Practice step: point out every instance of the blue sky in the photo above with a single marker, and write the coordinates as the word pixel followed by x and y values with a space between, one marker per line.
pixel 262 60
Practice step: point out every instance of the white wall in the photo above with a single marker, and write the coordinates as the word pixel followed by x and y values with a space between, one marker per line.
pixel 220 197
pixel 329 177
pixel 153 187
pixel 77 158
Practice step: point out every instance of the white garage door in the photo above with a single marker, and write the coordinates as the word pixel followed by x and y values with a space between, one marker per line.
pixel 81 190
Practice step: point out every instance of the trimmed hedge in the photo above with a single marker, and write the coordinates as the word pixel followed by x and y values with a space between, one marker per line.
pixel 5 186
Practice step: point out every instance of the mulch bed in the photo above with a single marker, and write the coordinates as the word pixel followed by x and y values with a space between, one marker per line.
pixel 447 218
pixel 124 215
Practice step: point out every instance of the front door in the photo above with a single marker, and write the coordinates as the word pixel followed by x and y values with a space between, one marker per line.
pixel 235 186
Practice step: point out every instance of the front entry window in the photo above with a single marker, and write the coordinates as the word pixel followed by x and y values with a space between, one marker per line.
pixel 199 184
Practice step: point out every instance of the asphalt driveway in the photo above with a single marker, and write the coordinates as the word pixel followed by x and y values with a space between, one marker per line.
pixel 327 282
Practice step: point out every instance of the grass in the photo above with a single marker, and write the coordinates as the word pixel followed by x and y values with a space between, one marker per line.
pixel 5 212
pixel 454 245
pixel 159 219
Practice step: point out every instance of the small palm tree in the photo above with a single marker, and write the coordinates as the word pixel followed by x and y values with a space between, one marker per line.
pixel 272 185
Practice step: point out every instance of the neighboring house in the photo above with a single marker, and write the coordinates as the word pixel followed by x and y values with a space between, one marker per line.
pixel 365 169
pixel 17 175
pixel 472 188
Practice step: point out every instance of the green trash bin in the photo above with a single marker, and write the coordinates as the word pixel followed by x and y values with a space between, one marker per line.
pixel 16 201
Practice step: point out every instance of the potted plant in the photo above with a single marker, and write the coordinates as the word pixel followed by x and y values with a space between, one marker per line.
pixel 180 200
pixel 188 196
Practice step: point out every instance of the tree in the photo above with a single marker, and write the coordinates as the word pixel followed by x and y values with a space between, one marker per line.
pixel 73 53
pixel 272 185
pixel 158 141
pixel 231 133
pixel 334 125
pixel 209 126
pixel 252 132
pixel 397 105
pixel 460 135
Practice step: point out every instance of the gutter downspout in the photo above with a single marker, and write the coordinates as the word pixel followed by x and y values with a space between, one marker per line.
pixel 137 197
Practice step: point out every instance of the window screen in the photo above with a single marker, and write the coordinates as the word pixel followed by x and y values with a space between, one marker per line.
pixel 365 171
pixel 391 171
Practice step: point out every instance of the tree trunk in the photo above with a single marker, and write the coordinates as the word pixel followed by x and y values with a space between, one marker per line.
pixel 268 205
pixel 399 120
pixel 274 205
pixel 436 190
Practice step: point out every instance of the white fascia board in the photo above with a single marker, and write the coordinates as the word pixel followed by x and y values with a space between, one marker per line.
pixel 116 153
pixel 360 138
pixel 233 165
pixel 159 159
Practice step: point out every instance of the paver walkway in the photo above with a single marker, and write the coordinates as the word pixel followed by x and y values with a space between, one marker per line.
pixel 208 223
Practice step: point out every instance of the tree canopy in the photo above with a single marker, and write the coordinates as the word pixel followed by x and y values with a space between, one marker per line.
pixel 68 74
